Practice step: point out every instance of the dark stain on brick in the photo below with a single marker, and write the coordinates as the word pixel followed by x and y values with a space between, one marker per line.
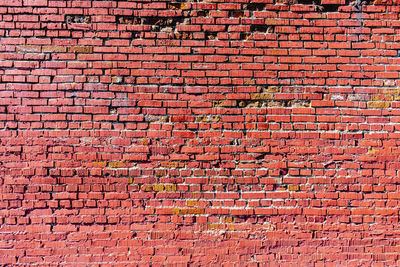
pixel 306 2
pixel 183 35
pixel 245 35
pixel 135 34
pixel 211 35
pixel 177 6
pixel 330 8
pixel 262 28
pixel 236 13
pixel 156 23
pixel 77 19
pixel 202 13
pixel 255 6
pixel 128 20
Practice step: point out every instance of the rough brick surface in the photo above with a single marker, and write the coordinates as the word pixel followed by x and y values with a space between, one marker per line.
pixel 199 132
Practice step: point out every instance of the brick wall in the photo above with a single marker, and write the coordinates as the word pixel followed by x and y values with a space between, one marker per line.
pixel 199 132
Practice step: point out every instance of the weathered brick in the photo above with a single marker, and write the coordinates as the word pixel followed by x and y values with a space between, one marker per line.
pixel 81 49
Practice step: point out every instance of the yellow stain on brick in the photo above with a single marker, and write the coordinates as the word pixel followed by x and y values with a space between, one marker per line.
pixel 293 187
pixel 223 103
pixel 390 91
pixel 192 203
pixel 387 97
pixel 166 42
pixel 187 211
pixel 131 180
pixel 176 211
pixel 81 49
pixel 276 104
pixel 100 163
pixel 117 164
pixel 220 226
pixel 386 94
pixel 228 220
pixel 158 187
pixel 254 104
pixel 249 81
pixel 145 142
pixel 395 93
pixel 276 52
pixel 208 118
pixel 384 98
pixel 160 173
pixel 261 96
pixel 272 89
pixel 281 188
pixel 378 104
pixel 213 226
pixel 384 151
pixel 170 187
pixel 146 187
pixel 192 211
pixel 57 49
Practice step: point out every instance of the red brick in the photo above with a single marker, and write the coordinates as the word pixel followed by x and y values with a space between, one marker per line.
pixel 35 3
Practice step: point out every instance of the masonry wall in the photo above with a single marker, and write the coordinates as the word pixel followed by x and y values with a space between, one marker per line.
pixel 199 132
